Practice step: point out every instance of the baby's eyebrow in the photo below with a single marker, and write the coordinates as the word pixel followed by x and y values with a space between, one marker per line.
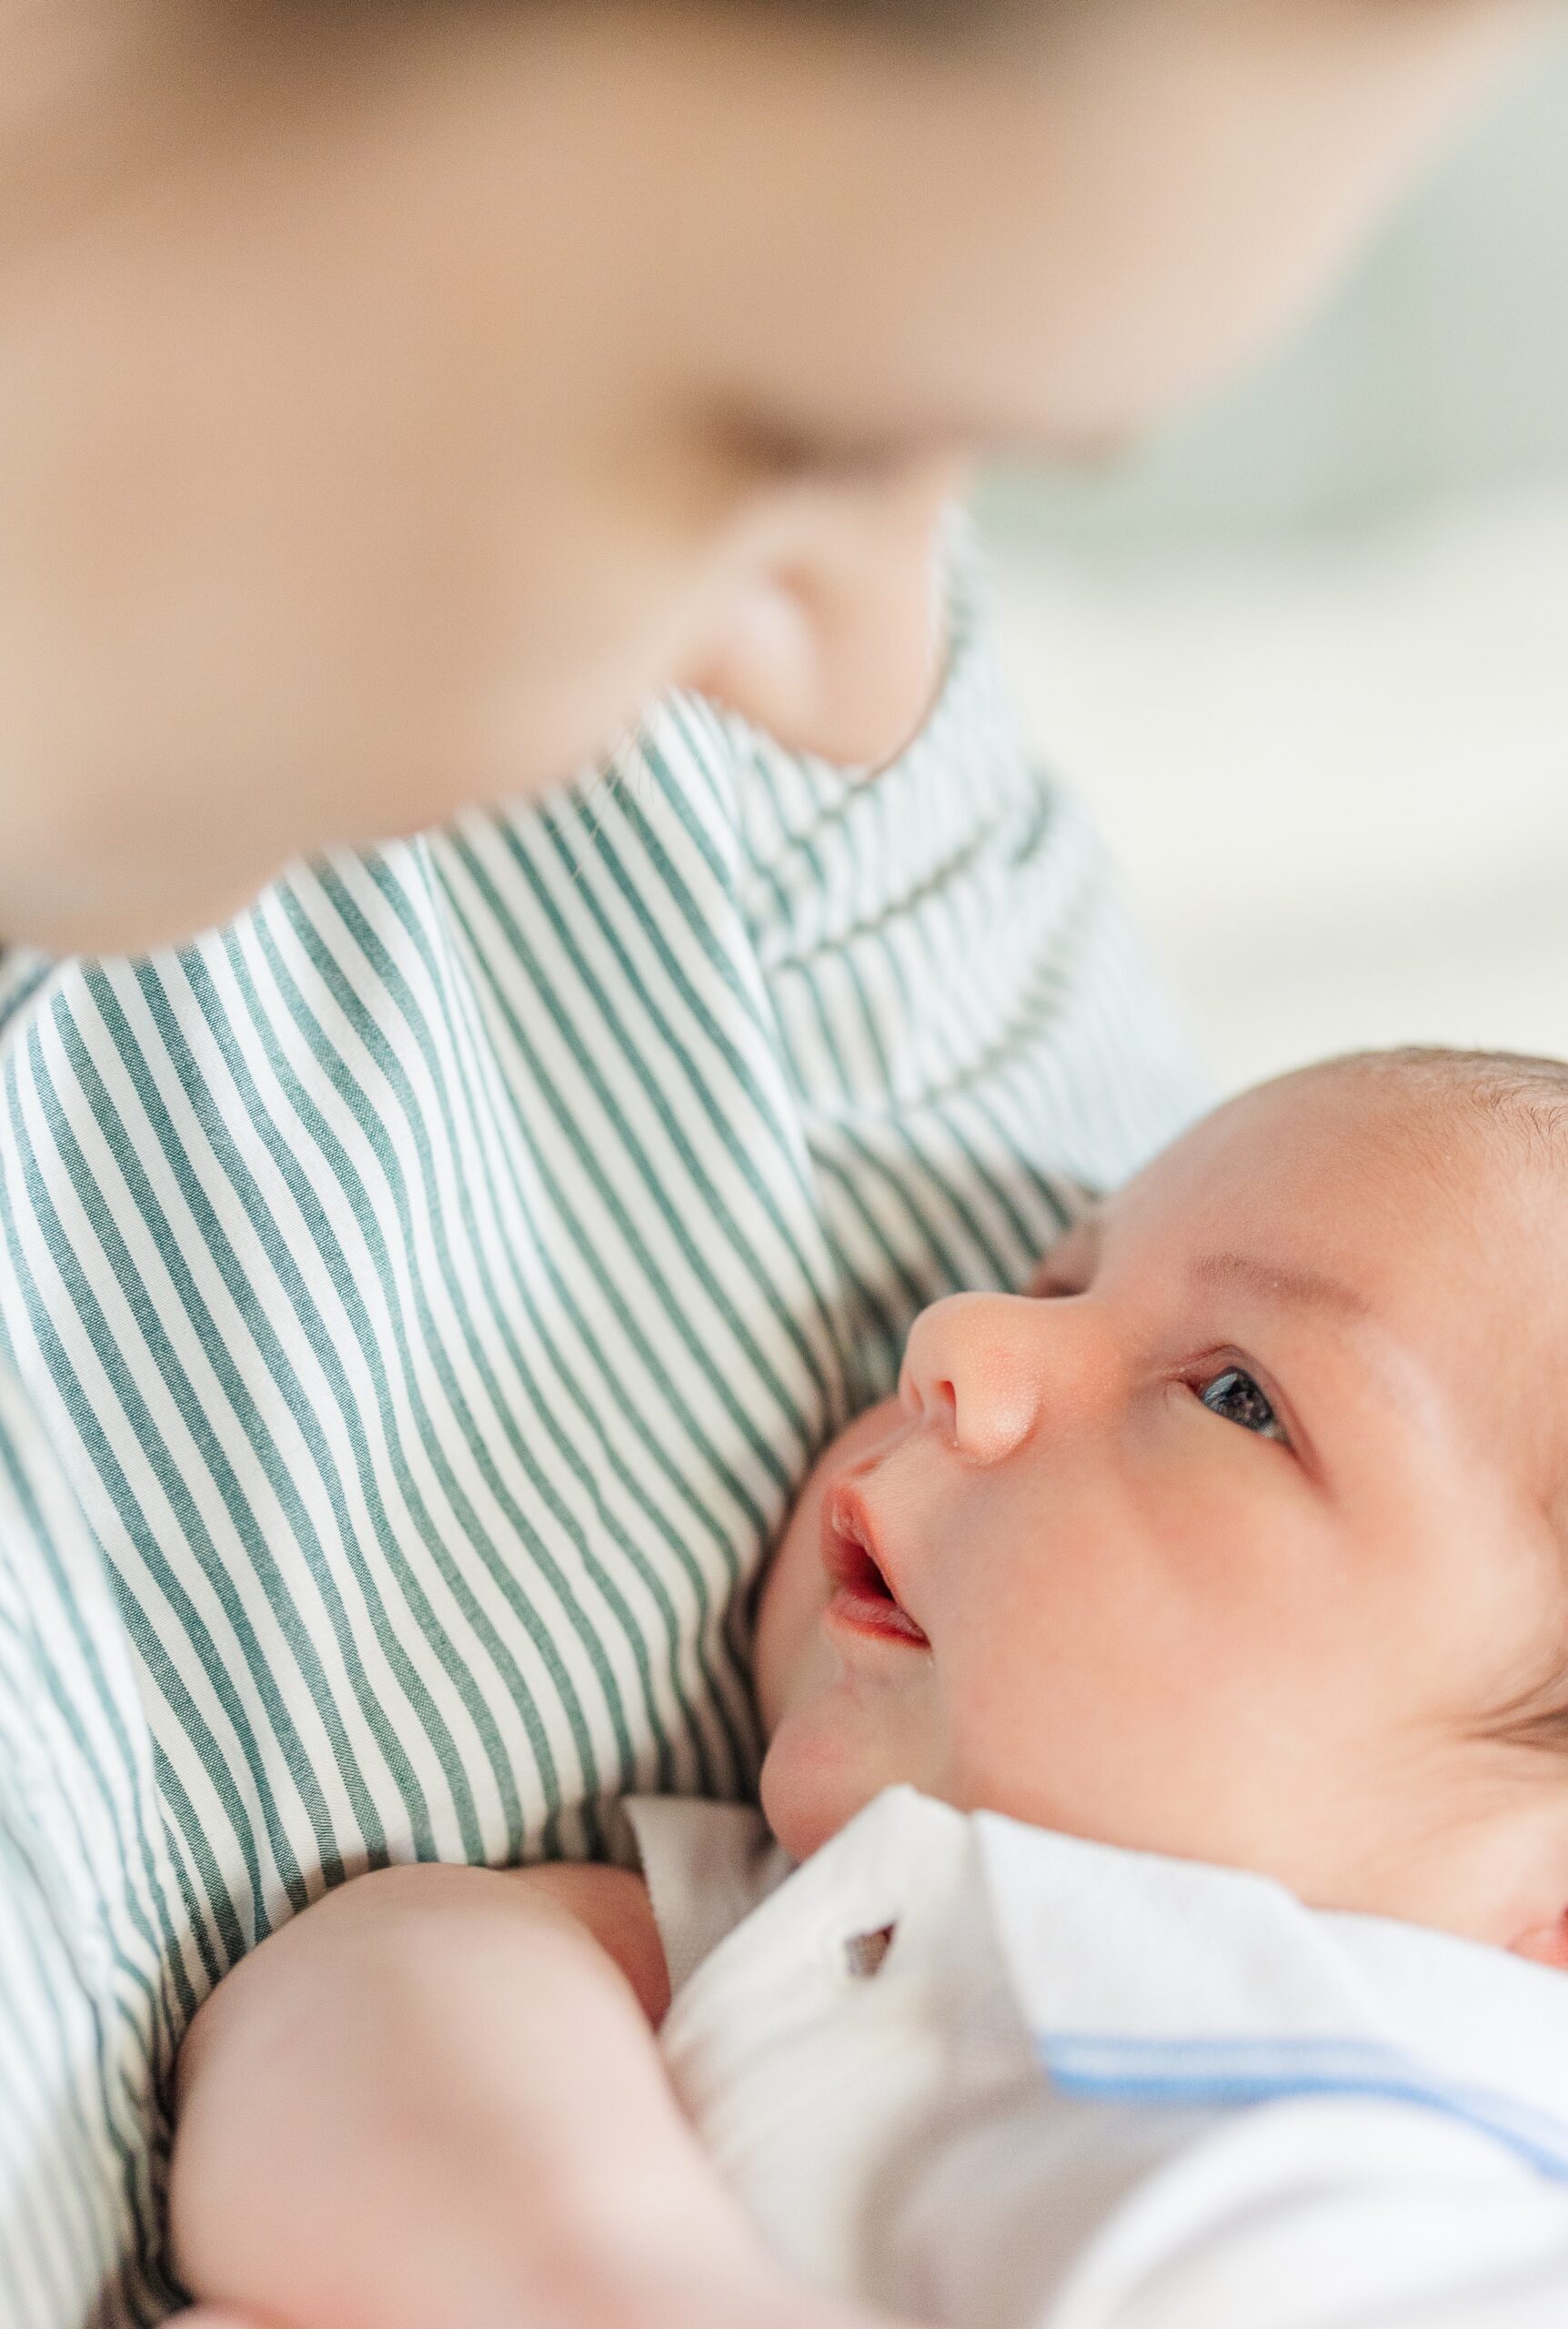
pixel 1402 1369
pixel 1278 1281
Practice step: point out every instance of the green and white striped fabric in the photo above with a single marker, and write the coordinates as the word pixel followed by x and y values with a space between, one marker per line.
pixel 419 1303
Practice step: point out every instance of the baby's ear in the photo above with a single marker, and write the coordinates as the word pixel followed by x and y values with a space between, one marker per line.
pixel 1546 1944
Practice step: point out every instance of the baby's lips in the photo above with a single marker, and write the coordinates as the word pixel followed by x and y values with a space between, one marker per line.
pixel 856 1567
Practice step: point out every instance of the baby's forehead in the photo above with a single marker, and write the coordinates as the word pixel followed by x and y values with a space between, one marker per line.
pixel 1449 1139
pixel 1497 1112
pixel 1434 1160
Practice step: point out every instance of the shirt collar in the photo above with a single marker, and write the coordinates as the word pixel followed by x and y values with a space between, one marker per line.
pixel 1144 1979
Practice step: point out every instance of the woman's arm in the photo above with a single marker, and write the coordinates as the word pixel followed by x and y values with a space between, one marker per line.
pixel 435 2098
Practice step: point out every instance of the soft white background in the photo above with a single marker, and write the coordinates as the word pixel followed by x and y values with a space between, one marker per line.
pixel 1309 657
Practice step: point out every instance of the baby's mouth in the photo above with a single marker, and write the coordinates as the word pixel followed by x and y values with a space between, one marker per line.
pixel 863 1597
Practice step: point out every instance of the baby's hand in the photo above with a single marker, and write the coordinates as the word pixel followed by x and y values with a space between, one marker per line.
pixel 762 2299
pixel 785 2310
pixel 434 2100
pixel 688 2308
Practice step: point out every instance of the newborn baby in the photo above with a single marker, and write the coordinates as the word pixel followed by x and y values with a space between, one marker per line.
pixel 1238 1545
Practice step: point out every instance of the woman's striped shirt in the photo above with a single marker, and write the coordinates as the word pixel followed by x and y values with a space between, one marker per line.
pixel 419 1303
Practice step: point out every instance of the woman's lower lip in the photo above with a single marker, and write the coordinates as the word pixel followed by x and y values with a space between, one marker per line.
pixel 867 1614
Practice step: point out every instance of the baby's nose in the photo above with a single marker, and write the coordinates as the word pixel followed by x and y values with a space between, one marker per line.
pixel 967 1372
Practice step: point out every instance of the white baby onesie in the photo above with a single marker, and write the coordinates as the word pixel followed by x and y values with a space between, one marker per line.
pixel 1002 2079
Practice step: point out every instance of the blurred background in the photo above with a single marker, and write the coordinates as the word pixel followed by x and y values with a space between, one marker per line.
pixel 1308 656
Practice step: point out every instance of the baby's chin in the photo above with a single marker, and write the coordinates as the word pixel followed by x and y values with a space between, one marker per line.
pixel 826 1761
pixel 808 1791
pixel 800 1816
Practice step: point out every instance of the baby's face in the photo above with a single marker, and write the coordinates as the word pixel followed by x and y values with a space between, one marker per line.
pixel 1236 1540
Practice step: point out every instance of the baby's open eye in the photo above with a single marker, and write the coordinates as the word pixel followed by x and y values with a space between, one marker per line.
pixel 1239 1399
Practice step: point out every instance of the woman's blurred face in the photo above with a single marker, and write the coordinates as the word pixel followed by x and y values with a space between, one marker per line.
pixel 391 400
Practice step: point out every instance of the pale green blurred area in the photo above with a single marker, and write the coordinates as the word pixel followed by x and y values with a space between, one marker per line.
pixel 1308 654
pixel 1441 364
